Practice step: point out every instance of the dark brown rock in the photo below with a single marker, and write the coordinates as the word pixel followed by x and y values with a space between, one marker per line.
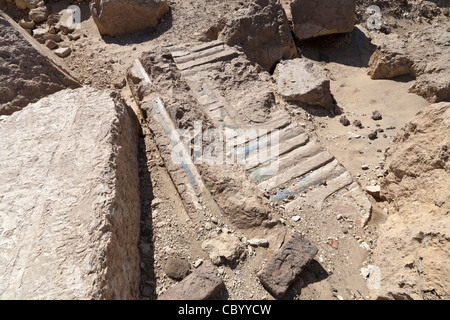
pixel 358 124
pixel 312 18
pixel 287 264
pixel 120 17
pixel 399 55
pixel 202 284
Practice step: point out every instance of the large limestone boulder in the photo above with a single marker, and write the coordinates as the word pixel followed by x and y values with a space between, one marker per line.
pixel 69 199
pixel 262 30
pixel 224 248
pixel 304 81
pixel 314 18
pixel 27 4
pixel 28 71
pixel 413 249
pixel 118 17
pixel 422 54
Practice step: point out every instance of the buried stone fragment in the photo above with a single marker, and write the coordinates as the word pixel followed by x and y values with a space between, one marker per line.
pixel 304 81
pixel 204 283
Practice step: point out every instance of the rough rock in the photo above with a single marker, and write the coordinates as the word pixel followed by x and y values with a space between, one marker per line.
pixel 287 264
pixel 373 135
pixel 65 22
pixel 177 268
pixel 42 35
pixel 27 24
pixel 422 54
pixel 63 52
pixel 51 44
pixel 204 283
pixel 373 191
pixel 28 71
pixel 40 14
pixel 389 62
pixel 258 242
pixel 376 115
pixel 118 17
pixel 70 207
pixel 413 246
pixel 27 4
pixel 344 121
pixel 262 31
pixel 357 123
pixel 312 18
pixel 223 248
pixel 304 81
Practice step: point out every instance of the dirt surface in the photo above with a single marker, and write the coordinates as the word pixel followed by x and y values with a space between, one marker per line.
pixel 27 72
pixel 344 247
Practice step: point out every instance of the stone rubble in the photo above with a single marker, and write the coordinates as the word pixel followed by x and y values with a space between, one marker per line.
pixel 287 264
pixel 66 223
pixel 304 81
pixel 312 18
pixel 202 284
pixel 33 72
pixel 121 17
pixel 420 54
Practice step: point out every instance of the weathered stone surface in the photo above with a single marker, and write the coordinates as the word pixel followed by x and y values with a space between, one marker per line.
pixel 262 31
pixel 27 24
pixel 258 242
pixel 413 248
pixel 373 191
pixel 51 44
pixel 312 18
pixel 422 54
pixel 287 264
pixel 27 4
pixel 390 60
pixel 28 71
pixel 63 52
pixel 204 283
pixel 39 14
pixel 303 80
pixel 177 268
pixel 42 35
pixel 117 17
pixel 70 209
pixel 344 121
pixel 225 247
